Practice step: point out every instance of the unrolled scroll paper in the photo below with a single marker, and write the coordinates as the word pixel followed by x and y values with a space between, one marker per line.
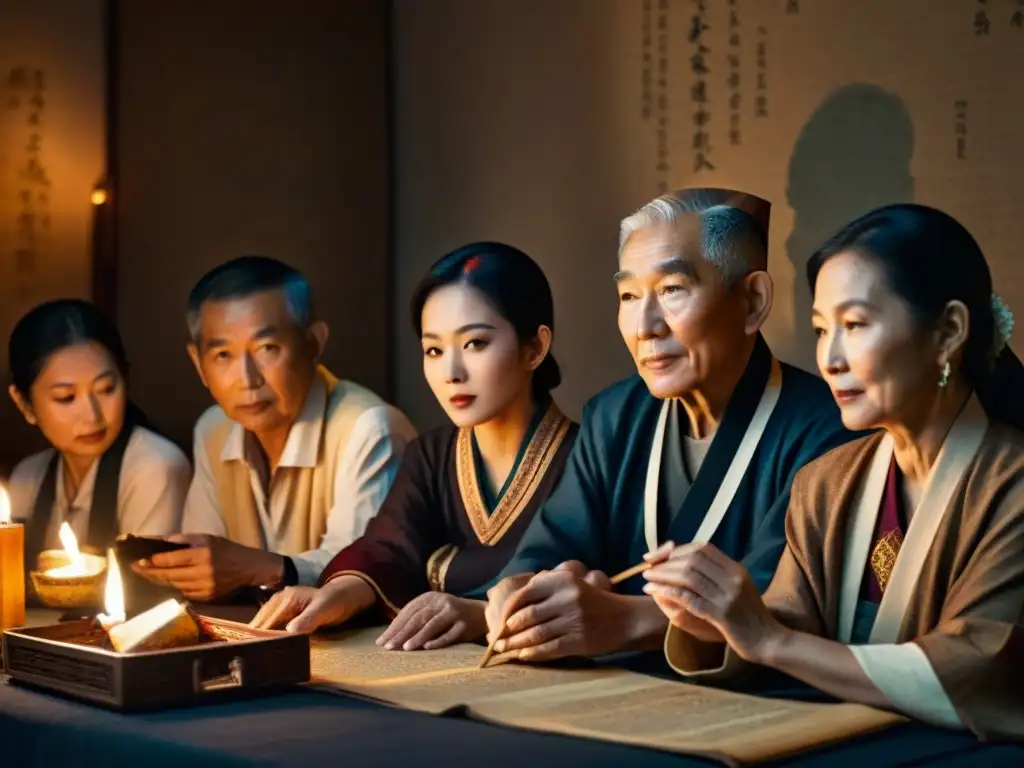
pixel 601 703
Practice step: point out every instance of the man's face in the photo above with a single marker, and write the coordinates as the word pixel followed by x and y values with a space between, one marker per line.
pixel 255 359
pixel 683 327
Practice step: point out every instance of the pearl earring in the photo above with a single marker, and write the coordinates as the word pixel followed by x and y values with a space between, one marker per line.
pixel 944 378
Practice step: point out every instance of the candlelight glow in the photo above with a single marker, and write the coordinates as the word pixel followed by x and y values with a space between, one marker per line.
pixel 78 566
pixel 98 197
pixel 113 595
pixel 5 506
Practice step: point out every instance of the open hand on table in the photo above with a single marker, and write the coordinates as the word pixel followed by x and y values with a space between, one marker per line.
pixel 303 610
pixel 434 620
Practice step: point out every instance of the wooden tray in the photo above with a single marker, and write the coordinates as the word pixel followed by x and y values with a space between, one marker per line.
pixel 233 660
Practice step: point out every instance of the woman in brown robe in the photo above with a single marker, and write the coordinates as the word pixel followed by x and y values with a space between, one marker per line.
pixel 465 492
pixel 902 582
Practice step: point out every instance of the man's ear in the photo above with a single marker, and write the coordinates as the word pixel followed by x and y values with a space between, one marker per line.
pixel 22 405
pixel 758 292
pixel 193 353
pixel 318 333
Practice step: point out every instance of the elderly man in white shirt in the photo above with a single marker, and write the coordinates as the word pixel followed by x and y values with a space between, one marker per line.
pixel 291 463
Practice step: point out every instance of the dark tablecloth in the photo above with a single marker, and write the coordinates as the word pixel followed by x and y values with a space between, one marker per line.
pixel 308 727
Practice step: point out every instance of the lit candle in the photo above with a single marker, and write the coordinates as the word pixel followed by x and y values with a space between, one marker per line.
pixel 167 625
pixel 12 567
pixel 113 596
pixel 79 565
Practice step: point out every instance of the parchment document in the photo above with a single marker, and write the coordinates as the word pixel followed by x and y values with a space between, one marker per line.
pixel 428 681
pixel 605 704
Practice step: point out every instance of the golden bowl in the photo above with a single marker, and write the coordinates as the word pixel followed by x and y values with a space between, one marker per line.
pixel 68 592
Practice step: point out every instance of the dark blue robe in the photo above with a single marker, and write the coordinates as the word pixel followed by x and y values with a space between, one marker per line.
pixel 596 514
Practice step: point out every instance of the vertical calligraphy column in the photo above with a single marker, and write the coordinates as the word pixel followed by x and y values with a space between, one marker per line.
pixel 960 108
pixel 646 61
pixel 663 167
pixel 699 91
pixel 27 95
pixel 792 6
pixel 761 99
pixel 982 23
pixel 735 101
pixel 1017 19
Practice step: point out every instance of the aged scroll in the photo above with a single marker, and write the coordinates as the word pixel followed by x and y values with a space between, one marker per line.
pixel 606 704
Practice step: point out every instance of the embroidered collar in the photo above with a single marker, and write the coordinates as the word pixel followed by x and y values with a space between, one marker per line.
pixel 519 489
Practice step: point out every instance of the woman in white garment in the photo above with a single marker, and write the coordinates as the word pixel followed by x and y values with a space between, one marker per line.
pixel 105 473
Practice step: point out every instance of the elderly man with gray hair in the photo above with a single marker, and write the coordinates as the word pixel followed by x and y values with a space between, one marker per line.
pixel 291 463
pixel 699 447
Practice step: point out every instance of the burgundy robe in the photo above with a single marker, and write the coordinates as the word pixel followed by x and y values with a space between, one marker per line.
pixel 436 530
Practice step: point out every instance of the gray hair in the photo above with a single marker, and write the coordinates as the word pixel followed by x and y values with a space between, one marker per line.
pixel 245 276
pixel 731 239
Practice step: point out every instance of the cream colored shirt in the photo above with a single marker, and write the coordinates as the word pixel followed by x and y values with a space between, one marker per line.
pixel 154 480
pixel 363 475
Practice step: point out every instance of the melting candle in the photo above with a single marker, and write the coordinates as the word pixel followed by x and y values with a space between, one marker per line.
pixel 12 567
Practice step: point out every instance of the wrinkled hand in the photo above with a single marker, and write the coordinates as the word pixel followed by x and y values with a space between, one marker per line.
pixel 211 567
pixel 434 620
pixel 499 594
pixel 559 613
pixel 668 598
pixel 704 592
pixel 594 578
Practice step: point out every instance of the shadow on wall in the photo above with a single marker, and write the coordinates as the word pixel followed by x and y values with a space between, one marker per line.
pixel 852 155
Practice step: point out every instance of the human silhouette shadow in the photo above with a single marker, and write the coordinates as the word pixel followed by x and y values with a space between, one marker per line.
pixel 852 155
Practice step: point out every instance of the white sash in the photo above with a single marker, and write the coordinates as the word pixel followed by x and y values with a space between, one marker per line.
pixel 958 451
pixel 860 530
pixel 734 475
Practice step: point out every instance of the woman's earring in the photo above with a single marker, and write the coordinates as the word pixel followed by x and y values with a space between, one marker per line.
pixel 944 378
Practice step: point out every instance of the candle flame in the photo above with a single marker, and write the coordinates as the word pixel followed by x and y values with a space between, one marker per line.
pixel 69 541
pixel 5 506
pixel 113 594
pixel 77 565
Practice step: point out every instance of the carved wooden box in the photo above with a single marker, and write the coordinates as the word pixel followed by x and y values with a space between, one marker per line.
pixel 231 660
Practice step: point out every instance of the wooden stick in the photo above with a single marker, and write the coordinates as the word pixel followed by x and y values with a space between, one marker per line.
pixel 490 651
pixel 616 579
pixel 629 573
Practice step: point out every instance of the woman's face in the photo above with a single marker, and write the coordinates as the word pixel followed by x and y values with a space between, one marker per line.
pixel 882 368
pixel 472 357
pixel 78 400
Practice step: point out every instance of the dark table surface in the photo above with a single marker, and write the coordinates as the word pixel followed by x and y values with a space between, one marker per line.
pixel 307 727
pixel 310 727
